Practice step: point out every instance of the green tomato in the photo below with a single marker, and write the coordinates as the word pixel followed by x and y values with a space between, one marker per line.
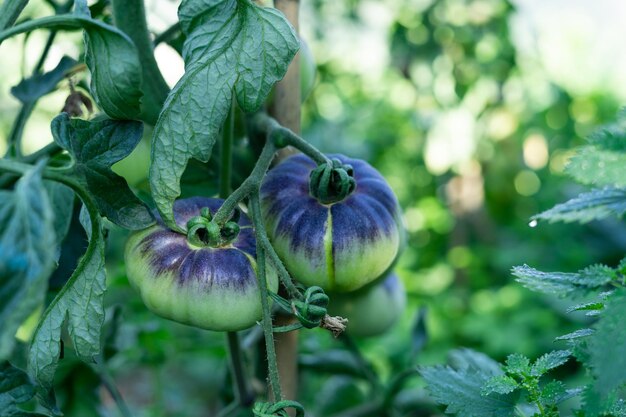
pixel 213 288
pixel 134 168
pixel 372 310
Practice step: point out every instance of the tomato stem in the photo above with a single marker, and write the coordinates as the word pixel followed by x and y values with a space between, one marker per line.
pixel 249 186
pixel 272 364
pixel 243 396
pixel 281 137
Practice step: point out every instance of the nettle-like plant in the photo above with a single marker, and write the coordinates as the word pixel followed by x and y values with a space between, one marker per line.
pixel 330 222
pixel 476 385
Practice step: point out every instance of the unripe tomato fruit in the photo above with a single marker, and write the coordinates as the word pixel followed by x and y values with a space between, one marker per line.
pixel 207 287
pixel 339 246
pixel 373 310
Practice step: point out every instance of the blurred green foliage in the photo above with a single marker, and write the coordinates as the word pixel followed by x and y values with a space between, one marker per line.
pixel 472 141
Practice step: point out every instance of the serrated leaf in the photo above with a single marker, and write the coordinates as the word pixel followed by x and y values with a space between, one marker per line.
pixel 460 387
pixel 550 361
pixel 596 405
pixel 594 205
pixel 612 136
pixel 517 364
pixel 27 243
pixel 231 47
pixel 501 384
pixel 577 334
pixel 564 283
pixel 591 306
pixel 15 389
pixel 80 305
pixel 606 348
pixel 31 89
pixel 554 392
pixel 94 147
pixel 598 167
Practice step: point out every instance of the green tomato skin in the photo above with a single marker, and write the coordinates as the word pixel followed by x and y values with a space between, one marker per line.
pixel 134 168
pixel 210 288
pixel 371 311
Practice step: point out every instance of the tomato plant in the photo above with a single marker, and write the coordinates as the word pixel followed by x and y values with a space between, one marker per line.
pixel 292 260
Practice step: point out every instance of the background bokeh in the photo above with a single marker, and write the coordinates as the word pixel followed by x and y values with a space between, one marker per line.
pixel 470 109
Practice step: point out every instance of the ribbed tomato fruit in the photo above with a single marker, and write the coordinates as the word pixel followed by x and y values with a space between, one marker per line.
pixel 213 288
pixel 341 243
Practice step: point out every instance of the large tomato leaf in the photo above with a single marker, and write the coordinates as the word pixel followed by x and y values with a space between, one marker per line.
pixel 232 47
pixel 79 304
pixel 94 147
pixel 26 259
pixel 114 65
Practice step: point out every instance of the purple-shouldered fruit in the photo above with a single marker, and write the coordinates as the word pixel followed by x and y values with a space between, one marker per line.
pixel 341 243
pixel 373 310
pixel 214 288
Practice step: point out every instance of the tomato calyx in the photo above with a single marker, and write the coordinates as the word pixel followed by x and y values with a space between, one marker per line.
pixel 202 231
pixel 332 182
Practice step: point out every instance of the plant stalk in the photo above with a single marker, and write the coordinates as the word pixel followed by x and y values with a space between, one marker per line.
pixel 272 365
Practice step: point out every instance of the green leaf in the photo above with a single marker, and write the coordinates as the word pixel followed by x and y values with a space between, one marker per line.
pixel 62 202
pixel 608 344
pixel 554 392
pixel 565 283
pixel 232 47
pixel 501 384
pixel 594 205
pixel 517 364
pixel 593 307
pixel 550 361
pixel 94 147
pixel 115 69
pixel 15 389
pixel 602 162
pixel 27 243
pixel 577 334
pixel 460 386
pixel 31 89
pixel 111 57
pixel 79 304
pixel 611 137
pixel 598 167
